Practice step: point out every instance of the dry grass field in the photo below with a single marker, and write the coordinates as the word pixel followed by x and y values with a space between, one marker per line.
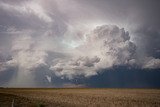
pixel 80 97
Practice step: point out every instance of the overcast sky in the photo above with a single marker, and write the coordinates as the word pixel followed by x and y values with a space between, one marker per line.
pixel 65 43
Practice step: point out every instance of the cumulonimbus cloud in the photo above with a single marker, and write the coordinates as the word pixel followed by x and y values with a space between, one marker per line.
pixel 104 47
pixel 35 34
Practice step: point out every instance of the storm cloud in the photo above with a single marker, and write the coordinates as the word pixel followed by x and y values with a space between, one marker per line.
pixel 76 38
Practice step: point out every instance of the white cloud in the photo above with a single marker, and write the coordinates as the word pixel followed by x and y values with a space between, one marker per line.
pixel 25 54
pixel 81 66
pixel 151 63
pixel 49 79
pixel 104 47
pixel 26 57
pixel 37 9
pixel 27 8
pixel 61 35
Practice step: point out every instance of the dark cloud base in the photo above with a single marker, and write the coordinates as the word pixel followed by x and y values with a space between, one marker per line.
pixel 117 77
pixel 123 77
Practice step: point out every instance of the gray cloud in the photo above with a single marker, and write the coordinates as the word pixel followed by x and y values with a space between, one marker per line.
pixel 75 66
pixel 79 39
pixel 104 47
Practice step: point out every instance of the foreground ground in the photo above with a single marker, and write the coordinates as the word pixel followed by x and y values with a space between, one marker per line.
pixel 79 97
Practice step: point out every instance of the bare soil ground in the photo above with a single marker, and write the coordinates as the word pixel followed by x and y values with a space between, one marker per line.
pixel 79 97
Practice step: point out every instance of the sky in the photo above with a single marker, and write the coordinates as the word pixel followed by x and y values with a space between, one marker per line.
pixel 80 43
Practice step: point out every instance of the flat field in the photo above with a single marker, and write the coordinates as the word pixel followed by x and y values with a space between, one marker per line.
pixel 79 97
